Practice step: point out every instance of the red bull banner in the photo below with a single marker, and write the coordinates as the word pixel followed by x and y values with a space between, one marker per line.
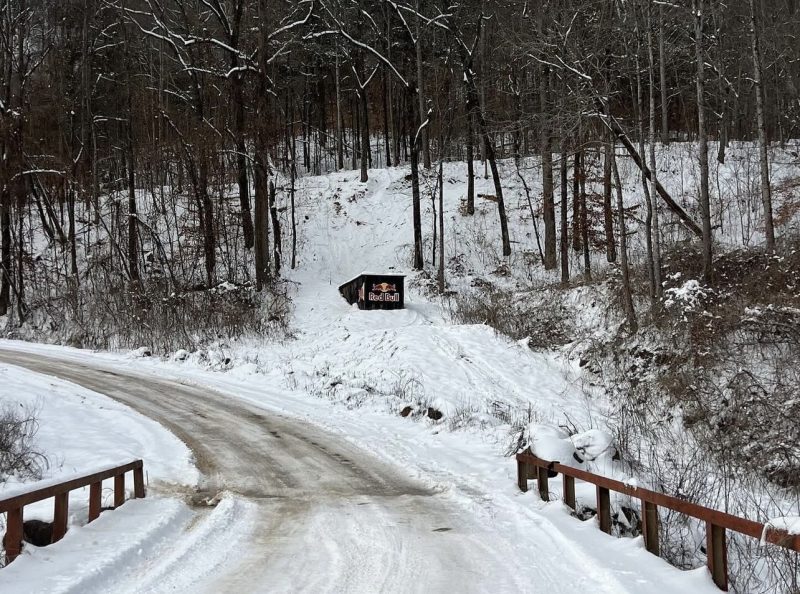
pixel 375 291
pixel 385 292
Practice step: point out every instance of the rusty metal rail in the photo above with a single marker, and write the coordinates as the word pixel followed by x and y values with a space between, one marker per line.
pixel 717 522
pixel 14 506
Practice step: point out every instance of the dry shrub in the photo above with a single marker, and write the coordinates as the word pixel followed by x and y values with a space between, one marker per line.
pixel 536 314
pixel 787 195
pixel 738 383
pixel 18 454
pixel 112 315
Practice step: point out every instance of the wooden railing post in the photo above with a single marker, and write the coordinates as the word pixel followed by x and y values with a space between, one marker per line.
pixel 650 526
pixel 717 555
pixel 60 516
pixel 543 483
pixel 522 476
pixel 119 490
pixel 138 482
pixel 95 500
pixel 12 542
pixel 569 491
pixel 604 509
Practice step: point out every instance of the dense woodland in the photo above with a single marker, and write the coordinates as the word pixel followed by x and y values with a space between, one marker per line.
pixel 198 105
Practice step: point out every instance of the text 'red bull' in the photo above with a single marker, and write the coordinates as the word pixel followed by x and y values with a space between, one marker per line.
pixel 385 292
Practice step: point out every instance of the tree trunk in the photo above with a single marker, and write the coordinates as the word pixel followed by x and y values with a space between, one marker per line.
pixel 576 203
pixel 5 252
pixel 398 137
pixel 627 299
pixel 261 239
pixel 587 257
pixel 498 188
pixel 21 308
pixel 440 274
pixel 648 196
pixel 517 114
pixel 133 220
pixel 356 133
pixel 365 148
pixel 293 174
pixel 470 163
pixel 564 208
pixel 386 117
pixel 483 74
pixel 766 190
pixel 662 65
pixel 656 223
pixel 241 161
pixel 209 234
pixel 698 7
pixel 548 200
pixel 608 213
pixel 423 113
pixel 305 115
pixel 261 167
pixel 418 262
pixel 73 246
pixel 339 126
pixel 133 217
pixel 276 228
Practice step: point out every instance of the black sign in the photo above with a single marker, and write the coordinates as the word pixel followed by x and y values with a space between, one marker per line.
pixel 375 291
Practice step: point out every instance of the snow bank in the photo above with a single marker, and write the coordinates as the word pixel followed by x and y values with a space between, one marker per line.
pixel 81 432
pixel 789 524
pixel 84 559
pixel 552 444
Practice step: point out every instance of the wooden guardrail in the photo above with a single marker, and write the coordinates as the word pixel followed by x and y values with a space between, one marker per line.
pixel 717 522
pixel 13 506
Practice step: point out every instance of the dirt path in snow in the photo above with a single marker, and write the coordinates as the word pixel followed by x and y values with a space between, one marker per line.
pixel 331 517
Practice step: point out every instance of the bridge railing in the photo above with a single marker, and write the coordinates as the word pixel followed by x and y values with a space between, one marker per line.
pixel 13 504
pixel 717 522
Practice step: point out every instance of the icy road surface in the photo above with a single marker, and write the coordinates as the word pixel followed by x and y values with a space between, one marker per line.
pixel 328 517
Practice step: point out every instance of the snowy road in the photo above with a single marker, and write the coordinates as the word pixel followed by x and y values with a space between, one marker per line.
pixel 328 516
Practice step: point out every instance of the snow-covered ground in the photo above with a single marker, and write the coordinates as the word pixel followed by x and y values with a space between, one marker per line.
pixel 81 430
pixel 351 372
pixel 464 465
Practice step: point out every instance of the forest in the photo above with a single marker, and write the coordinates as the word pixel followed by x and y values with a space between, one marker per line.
pixel 191 102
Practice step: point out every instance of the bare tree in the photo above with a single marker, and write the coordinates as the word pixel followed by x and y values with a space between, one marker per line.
pixel 627 299
pixel 698 10
pixel 766 190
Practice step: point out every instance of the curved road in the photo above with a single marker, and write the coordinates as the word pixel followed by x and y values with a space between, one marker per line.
pixel 384 528
pixel 330 517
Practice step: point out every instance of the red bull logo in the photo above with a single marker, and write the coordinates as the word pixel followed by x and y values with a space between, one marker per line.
pixel 384 288
pixel 386 292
